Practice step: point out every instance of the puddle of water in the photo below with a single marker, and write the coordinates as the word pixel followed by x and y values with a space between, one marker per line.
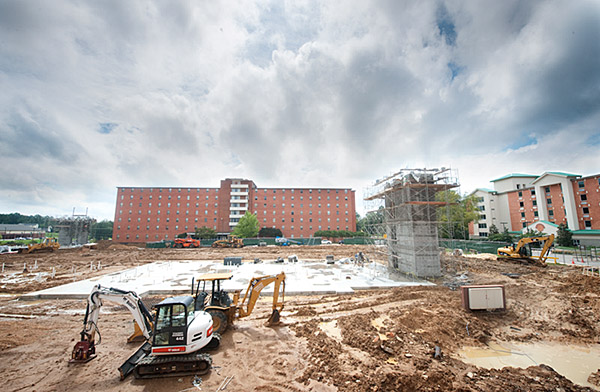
pixel 493 350
pixel 574 362
pixel 379 323
pixel 331 329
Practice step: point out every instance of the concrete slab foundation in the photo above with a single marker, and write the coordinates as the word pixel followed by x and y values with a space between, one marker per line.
pixel 175 277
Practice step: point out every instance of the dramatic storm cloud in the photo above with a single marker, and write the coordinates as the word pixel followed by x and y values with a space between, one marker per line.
pixel 96 95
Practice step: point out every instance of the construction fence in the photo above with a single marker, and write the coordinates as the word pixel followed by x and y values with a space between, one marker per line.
pixel 265 241
pixel 469 246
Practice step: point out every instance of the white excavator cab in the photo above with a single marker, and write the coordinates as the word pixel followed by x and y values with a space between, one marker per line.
pixel 180 329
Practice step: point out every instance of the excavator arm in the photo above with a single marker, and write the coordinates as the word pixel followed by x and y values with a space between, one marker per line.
pixel 548 240
pixel 255 286
pixel 520 251
pixel 546 248
pixel 84 350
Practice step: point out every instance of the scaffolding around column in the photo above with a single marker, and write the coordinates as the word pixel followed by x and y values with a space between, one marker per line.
pixel 403 212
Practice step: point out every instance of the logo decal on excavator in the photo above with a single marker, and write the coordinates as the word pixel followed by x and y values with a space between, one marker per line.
pixel 168 349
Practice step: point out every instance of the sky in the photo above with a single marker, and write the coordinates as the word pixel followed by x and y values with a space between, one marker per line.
pixel 100 94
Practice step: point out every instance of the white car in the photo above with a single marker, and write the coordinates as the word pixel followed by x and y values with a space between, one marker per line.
pixel 6 249
pixel 325 242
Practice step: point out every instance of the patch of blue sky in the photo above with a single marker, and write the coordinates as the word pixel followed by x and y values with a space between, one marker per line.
pixel 446 26
pixel 455 69
pixel 106 128
pixel 593 140
pixel 523 141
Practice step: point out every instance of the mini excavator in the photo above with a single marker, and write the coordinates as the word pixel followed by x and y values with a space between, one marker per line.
pixel 224 310
pixel 181 330
pixel 175 339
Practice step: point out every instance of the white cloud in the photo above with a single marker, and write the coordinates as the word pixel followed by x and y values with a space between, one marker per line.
pixel 288 94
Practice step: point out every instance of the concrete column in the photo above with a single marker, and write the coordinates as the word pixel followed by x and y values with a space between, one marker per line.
pixel 540 196
pixel 570 204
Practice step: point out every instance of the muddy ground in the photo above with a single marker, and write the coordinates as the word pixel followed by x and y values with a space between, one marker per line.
pixel 380 340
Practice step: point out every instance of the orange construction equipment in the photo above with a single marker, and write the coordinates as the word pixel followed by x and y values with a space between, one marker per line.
pixel 186 243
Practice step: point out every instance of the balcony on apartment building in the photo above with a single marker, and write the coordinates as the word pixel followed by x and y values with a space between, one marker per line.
pixel 239 193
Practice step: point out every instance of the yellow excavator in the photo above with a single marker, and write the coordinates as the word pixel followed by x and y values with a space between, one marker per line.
pixel 230 242
pixel 522 250
pixel 224 310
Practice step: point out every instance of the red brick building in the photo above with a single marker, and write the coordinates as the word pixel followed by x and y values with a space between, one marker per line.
pixel 587 199
pixel 524 201
pixel 154 214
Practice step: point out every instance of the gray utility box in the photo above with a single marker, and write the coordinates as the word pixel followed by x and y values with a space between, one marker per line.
pixel 483 297
pixel 233 261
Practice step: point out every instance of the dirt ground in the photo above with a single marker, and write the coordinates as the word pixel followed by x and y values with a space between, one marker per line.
pixel 379 340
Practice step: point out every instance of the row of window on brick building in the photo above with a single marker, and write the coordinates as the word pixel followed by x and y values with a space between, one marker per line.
pixel 235 197
pixel 310 205
pixel 197 212
pixel 265 190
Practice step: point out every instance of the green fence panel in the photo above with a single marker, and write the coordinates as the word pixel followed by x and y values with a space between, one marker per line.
pixel 479 246
pixel 357 241
pixel 156 245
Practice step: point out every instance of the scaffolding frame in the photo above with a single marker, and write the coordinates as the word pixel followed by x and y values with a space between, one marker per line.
pixel 403 225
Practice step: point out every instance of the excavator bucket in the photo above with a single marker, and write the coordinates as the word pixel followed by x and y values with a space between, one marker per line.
pixel 137 335
pixel 274 318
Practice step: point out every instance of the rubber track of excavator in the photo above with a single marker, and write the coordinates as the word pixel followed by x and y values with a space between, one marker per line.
pixel 173 365
pixel 523 261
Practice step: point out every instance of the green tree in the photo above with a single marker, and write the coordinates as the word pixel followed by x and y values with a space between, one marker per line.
pixel 270 232
pixel 205 233
pixel 504 236
pixel 247 227
pixel 564 236
pixel 493 230
pixel 456 215
pixel 371 223
pixel 359 226
pixel 16 218
pixel 532 233
pixel 338 233
pixel 102 230
pixel 181 235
